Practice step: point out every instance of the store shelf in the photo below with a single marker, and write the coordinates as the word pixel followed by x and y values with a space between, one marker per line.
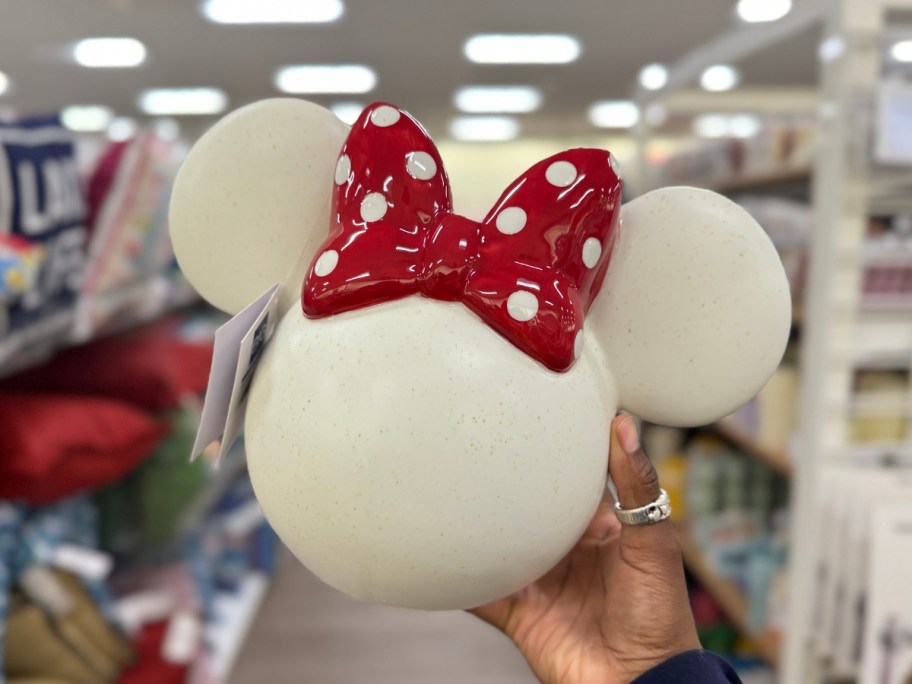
pixel 765 181
pixel 234 617
pixel 729 597
pixel 739 437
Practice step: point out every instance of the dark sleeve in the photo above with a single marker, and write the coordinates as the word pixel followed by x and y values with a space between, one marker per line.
pixel 693 667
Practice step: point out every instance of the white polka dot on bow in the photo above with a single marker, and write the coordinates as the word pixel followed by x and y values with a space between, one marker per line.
pixel 420 165
pixel 511 220
pixel 384 116
pixel 614 165
pixel 592 251
pixel 343 169
pixel 522 306
pixel 327 263
pixel 373 207
pixel 561 174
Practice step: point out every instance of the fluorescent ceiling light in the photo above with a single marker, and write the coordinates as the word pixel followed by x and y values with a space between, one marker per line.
pixel 122 128
pixel 902 51
pixel 719 77
pixel 337 78
pixel 272 11
pixel 348 112
pixel 86 117
pixel 493 99
pixel 166 129
pixel 109 52
pixel 755 11
pixel 744 126
pixel 183 101
pixel 727 126
pixel 832 48
pixel 517 48
pixel 614 114
pixel 711 126
pixel 4 83
pixel 653 76
pixel 484 128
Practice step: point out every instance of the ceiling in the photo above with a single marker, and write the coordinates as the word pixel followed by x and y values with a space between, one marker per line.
pixel 415 46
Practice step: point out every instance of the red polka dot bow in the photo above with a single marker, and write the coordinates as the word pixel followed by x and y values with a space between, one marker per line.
pixel 530 270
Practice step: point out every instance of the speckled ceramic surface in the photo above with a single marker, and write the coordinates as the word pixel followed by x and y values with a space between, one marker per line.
pixel 409 453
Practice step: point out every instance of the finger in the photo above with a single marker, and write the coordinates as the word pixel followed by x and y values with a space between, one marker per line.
pixel 631 471
pixel 637 485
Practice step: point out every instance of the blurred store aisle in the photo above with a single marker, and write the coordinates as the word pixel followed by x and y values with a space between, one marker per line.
pixel 307 632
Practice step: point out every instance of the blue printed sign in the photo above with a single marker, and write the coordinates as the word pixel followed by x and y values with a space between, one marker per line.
pixel 41 201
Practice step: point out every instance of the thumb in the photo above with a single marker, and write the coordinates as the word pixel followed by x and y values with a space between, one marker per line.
pixel 637 485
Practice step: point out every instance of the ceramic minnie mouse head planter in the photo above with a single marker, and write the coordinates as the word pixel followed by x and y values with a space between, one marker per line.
pixel 429 424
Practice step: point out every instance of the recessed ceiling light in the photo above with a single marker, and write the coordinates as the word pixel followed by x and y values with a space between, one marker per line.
pixel 727 125
pixel 484 128
pixel 719 77
pixel 494 48
pixel 86 117
pixel 4 83
pixel 653 76
pixel 832 48
pixel 711 126
pixel 902 51
pixel 122 128
pixel 167 129
pixel 183 101
pixel 272 11
pixel 755 11
pixel 614 114
pixel 316 78
pixel 744 126
pixel 109 52
pixel 493 99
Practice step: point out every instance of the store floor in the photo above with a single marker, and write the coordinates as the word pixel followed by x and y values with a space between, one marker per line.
pixel 308 633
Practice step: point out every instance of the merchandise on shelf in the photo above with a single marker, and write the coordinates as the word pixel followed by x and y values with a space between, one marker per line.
pixel 44 209
pixel 733 508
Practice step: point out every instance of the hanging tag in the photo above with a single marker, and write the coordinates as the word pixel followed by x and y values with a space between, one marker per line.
pixel 239 345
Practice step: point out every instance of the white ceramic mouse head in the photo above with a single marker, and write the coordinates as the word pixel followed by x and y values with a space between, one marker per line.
pixel 429 425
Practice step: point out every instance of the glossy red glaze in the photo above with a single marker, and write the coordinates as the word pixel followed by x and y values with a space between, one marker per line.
pixel 419 246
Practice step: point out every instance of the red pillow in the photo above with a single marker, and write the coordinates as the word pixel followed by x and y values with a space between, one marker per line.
pixel 55 446
pixel 150 666
pixel 149 368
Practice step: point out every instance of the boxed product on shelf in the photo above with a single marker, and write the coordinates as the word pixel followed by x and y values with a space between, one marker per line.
pixel 878 410
pixel 731 509
pixel 130 265
pixel 887 649
pixel 43 207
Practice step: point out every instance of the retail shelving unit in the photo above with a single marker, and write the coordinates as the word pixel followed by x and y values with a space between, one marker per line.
pixel 838 335
pixel 729 596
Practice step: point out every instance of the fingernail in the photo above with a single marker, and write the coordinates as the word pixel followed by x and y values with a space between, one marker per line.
pixel 628 437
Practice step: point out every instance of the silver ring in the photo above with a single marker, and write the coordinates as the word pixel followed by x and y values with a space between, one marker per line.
pixel 657 511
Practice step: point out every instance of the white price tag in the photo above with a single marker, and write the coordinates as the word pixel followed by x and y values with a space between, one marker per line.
pixel 239 344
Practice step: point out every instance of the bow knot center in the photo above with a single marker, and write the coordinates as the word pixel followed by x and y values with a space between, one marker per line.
pixel 449 251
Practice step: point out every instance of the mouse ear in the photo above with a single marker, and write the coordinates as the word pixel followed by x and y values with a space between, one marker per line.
pixel 251 201
pixel 695 311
